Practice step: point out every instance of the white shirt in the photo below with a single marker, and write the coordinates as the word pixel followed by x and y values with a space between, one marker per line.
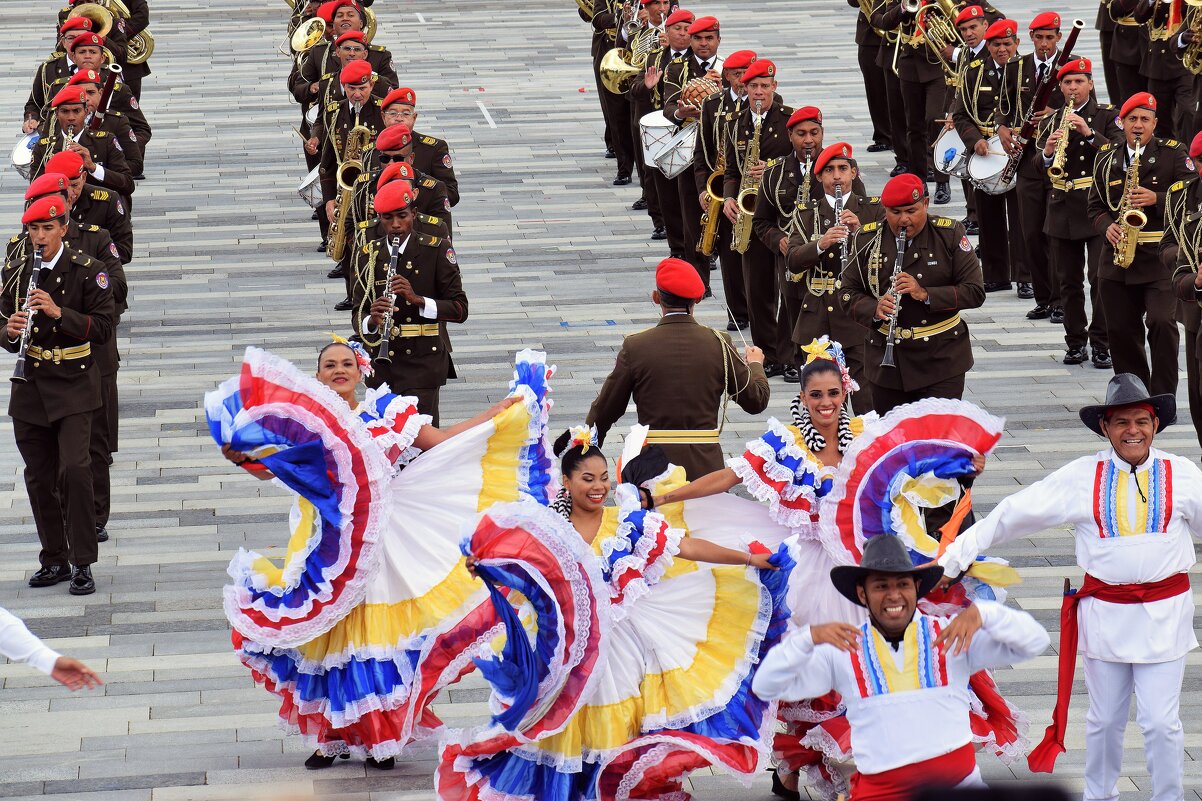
pixel 1159 631
pixel 884 724
pixel 20 645
pixel 48 264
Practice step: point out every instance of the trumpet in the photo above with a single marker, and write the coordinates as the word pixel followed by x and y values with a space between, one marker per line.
pixel 394 247
pixel 1130 219
pixel 1056 171
pixel 18 376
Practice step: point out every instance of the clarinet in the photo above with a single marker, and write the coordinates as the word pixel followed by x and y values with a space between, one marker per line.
pixel 838 214
pixel 897 268
pixel 394 247
pixel 18 376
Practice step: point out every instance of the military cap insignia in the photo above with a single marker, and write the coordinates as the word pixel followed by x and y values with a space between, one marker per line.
pixel 102 280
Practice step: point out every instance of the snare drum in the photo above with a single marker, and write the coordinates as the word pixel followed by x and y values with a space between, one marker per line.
pixel 310 188
pixel 985 172
pixel 677 156
pixel 312 112
pixel 950 153
pixel 656 132
pixel 23 153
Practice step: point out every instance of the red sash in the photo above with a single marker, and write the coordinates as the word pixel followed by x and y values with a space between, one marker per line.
pixel 900 783
pixel 1043 756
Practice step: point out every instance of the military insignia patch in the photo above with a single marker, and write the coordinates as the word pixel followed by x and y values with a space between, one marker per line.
pixel 451 256
pixel 133 137
pixel 133 103
pixel 117 144
pixel 1189 162
pixel 102 280
pixel 965 245
pixel 120 208
pixel 113 250
pixel 446 203
pixel 446 161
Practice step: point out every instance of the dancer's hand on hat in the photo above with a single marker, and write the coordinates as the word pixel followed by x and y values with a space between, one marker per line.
pixel 840 635
pixel 959 633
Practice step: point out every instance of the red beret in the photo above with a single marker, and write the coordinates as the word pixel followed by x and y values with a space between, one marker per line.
pixel 739 60
pixel 1078 66
pixel 763 68
pixel 355 72
pixel 349 36
pixel 394 137
pixel 325 11
pixel 903 190
pixel 86 40
pixel 1001 29
pixel 680 278
pixel 704 24
pixel 337 4
pixel 395 196
pixel 405 96
pixel 839 150
pixel 66 162
pixel 46 208
pixel 68 95
pixel 1195 147
pixel 679 15
pixel 393 171
pixel 969 14
pixel 85 76
pixel 802 114
pixel 49 183
pixel 1138 100
pixel 76 24
pixel 1048 19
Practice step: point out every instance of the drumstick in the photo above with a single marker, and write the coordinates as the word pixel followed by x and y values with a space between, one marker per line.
pixel 301 135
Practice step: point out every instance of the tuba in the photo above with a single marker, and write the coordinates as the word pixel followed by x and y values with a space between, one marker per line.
pixel 349 170
pixel 140 48
pixel 308 34
pixel 99 13
pixel 1191 57
pixel 936 25
pixel 1130 219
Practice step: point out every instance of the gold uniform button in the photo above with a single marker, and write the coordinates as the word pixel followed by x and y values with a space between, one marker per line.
pixel 434 348
pixel 35 330
pixel 390 353
pixel 408 319
pixel 408 352
pixel 830 308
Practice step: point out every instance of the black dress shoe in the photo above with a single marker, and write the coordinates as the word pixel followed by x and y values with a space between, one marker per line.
pixel 879 147
pixel 1076 356
pixel 709 293
pixel 610 154
pixel 317 760
pixel 346 304
pixel 971 227
pixel 780 791
pixel 897 170
pixel 773 369
pixel 322 247
pixel 140 176
pixel 81 582
pixel 659 233
pixel 943 193
pixel 997 286
pixel 792 375
pixel 1101 359
pixel 337 272
pixel 640 204
pixel 621 180
pixel 732 326
pixel 49 576
pixel 381 764
pixel 743 324
pixel 1039 313
pixel 930 175
pixel 1025 290
pixel 1057 316
pixel 313 216
pixel 102 534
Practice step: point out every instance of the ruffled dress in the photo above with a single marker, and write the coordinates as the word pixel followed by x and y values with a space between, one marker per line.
pixel 895 466
pixel 671 690
pixel 371 611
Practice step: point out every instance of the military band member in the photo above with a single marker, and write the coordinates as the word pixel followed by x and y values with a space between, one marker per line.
pixel 1075 246
pixel 94 205
pixel 769 326
pixel 129 128
pixel 972 23
pixel 52 412
pixel 412 351
pixel 1105 28
pixel 869 42
pixel 717 112
pixel 978 115
pixel 138 21
pixel 1173 86
pixel 680 399
pixel 608 15
pixel 814 259
pixel 1128 48
pixel 431 155
pixel 1181 250
pixel 54 72
pixel 940 277
pixel 102 154
pixel 1139 295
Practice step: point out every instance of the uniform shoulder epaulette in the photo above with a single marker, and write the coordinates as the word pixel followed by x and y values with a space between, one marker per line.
pixel 872 226
pixel 1168 142
pixel 15 240
pixel 114 113
pixel 332 106
pixel 327 76
pixel 428 140
pixel 428 218
pixel 377 48
pixel 773 162
pixel 429 240
pixel 874 199
pixel 944 222
pixel 1177 186
pixel 93 228
pixel 100 134
pixel 1105 147
pixel 975 63
pixel 100 194
pixel 55 56
pixel 363 177
pixel 1107 106
pixel 429 183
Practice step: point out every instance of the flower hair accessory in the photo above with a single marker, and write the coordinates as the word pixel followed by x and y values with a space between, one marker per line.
pixel 826 348
pixel 361 356
pixel 583 437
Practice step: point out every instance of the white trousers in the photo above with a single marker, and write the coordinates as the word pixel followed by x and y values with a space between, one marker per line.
pixel 1157 689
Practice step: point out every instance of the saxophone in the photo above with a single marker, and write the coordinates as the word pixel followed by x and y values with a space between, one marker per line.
pixel 350 167
pixel 1130 219
pixel 749 189
pixel 1056 171
pixel 713 203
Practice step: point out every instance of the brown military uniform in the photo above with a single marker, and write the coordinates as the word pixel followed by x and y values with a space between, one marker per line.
pixel 1169 81
pixel 321 63
pixel 818 277
pixel 52 413
pixel 51 76
pixel 1181 249
pixel 716 114
pixel 615 107
pixel 932 350
pixel 116 125
pixel 680 399
pixel 1143 291
pixel 105 209
pixel 433 157
pixel 663 206
pixel 1075 246
pixel 123 102
pixel 770 330
pixel 417 349
pixel 106 152
pixel 342 119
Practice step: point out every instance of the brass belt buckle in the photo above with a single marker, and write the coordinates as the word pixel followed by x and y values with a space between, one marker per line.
pixel 57 355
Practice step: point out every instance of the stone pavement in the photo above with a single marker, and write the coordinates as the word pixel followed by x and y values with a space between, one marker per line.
pixel 552 257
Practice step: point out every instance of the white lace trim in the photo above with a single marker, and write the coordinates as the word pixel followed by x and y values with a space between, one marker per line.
pixel 804 712
pixel 665 744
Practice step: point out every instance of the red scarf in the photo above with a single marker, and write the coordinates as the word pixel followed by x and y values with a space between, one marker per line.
pixel 891 785
pixel 1043 757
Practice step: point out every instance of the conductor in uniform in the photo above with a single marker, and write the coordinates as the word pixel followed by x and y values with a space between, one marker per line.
pixel 681 399
pixel 71 311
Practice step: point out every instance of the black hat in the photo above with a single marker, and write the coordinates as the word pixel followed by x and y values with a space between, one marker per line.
pixel 1126 389
pixel 883 553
